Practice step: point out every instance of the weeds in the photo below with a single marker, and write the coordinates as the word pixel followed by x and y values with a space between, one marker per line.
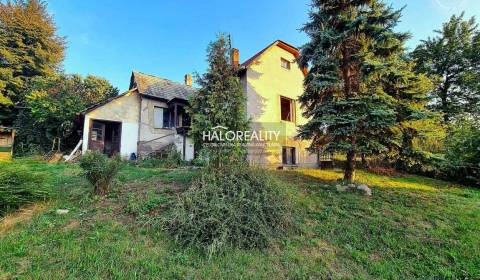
pixel 236 206
pixel 100 170
pixel 19 186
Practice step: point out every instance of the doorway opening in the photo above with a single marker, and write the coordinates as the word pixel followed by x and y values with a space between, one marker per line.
pixel 105 137
pixel 289 156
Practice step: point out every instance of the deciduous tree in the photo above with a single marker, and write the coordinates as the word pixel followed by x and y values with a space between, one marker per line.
pixel 51 108
pixel 29 47
pixel 453 58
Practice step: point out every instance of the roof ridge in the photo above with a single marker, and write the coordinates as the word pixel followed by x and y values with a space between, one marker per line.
pixel 157 77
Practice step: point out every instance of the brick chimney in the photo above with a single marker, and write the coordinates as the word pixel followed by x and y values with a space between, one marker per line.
pixel 235 57
pixel 188 80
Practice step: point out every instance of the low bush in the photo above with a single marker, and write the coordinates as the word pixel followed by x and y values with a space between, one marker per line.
pixel 462 155
pixel 19 186
pixel 169 158
pixel 235 206
pixel 100 170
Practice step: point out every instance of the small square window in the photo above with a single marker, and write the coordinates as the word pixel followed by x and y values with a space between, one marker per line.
pixel 285 63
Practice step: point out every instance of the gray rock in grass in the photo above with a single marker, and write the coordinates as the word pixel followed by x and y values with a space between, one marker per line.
pixel 365 189
pixel 62 211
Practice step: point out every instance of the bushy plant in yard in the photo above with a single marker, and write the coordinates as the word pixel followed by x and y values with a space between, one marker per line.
pixel 169 158
pixel 19 186
pixel 235 206
pixel 462 155
pixel 100 170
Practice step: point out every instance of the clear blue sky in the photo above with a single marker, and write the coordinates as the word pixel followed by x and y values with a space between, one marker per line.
pixel 168 38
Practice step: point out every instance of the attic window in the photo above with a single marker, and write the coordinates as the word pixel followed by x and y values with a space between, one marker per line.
pixel 287 107
pixel 285 63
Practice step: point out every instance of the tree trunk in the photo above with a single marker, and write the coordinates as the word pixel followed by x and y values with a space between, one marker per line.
pixel 349 175
pixel 365 162
pixel 347 81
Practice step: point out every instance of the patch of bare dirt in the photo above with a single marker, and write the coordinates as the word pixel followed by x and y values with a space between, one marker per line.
pixel 73 224
pixel 24 214
pixel 321 250
pixel 374 257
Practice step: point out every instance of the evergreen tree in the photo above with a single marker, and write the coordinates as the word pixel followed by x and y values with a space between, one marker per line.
pixel 220 101
pixel 453 57
pixel 29 47
pixel 352 43
pixel 413 119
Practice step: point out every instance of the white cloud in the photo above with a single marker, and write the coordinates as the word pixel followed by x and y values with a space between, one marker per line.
pixel 451 5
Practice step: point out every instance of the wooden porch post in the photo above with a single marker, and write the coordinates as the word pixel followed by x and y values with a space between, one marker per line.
pixel 175 118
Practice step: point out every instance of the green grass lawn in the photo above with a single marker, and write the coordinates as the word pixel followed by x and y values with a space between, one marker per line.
pixel 412 227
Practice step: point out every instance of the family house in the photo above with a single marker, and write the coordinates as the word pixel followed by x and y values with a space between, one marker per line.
pixel 151 114
pixel 146 119
pixel 273 82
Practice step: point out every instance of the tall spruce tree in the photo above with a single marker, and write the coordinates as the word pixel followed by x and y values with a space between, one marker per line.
pixel 220 101
pixel 29 47
pixel 352 43
pixel 453 57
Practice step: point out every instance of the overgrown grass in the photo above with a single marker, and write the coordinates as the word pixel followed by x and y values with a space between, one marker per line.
pixel 19 186
pixel 234 206
pixel 411 228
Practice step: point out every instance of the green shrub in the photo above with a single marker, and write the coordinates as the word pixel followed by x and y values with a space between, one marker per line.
pixel 201 158
pixel 174 158
pixel 169 158
pixel 236 206
pixel 100 170
pixel 19 186
pixel 462 156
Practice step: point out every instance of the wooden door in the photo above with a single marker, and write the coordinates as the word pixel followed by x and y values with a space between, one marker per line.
pixel 97 136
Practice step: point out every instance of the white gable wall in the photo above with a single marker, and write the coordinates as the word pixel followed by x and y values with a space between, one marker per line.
pixel 125 109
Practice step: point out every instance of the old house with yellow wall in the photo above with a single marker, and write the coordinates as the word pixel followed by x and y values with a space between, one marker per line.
pixel 151 115
pixel 273 82
pixel 148 118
